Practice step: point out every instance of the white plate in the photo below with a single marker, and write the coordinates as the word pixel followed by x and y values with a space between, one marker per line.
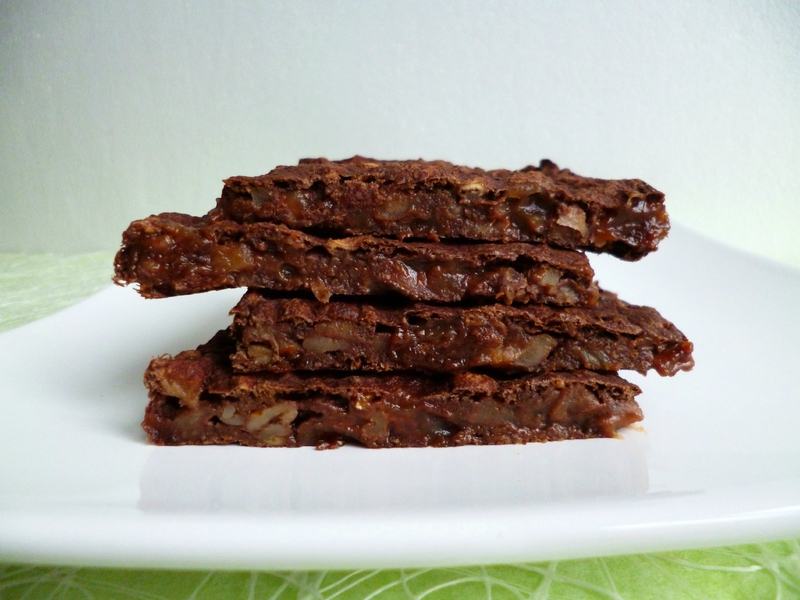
pixel 717 460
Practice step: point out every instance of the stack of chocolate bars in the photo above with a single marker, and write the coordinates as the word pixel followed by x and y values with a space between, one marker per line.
pixel 406 303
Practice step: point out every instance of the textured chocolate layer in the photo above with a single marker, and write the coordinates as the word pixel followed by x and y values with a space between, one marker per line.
pixel 172 254
pixel 196 398
pixel 288 334
pixel 437 199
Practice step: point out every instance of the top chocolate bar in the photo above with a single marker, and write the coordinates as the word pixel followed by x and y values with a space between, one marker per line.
pixel 420 199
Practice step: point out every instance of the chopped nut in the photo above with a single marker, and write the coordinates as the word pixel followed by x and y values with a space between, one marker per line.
pixel 536 350
pixel 233 259
pixel 519 191
pixel 320 291
pixel 187 395
pixel 184 384
pixel 282 413
pixel 348 243
pixel 574 218
pixel 275 434
pixel 547 277
pixel 338 329
pixel 565 294
pixel 261 354
pixel 377 427
pixel 596 359
pixel 229 416
pixel 273 424
pixel 190 420
pixel 454 211
pixel 320 344
pixel 394 209
pixel 263 332
pixel 473 187
pixel 491 413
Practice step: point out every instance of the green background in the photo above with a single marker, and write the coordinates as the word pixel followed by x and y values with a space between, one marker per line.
pixel 766 571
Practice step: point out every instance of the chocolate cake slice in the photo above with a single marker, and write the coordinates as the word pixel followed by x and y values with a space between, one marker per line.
pixel 173 254
pixel 283 334
pixel 196 398
pixel 437 199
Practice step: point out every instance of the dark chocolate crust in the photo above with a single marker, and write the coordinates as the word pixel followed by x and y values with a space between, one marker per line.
pixel 197 399
pixel 281 335
pixel 173 254
pixel 437 199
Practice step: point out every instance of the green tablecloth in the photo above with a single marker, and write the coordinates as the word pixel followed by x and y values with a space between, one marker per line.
pixel 32 286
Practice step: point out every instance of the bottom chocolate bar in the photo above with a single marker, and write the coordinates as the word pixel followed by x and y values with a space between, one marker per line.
pixel 196 398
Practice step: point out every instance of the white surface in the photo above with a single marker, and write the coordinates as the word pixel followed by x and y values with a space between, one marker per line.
pixel 110 111
pixel 717 461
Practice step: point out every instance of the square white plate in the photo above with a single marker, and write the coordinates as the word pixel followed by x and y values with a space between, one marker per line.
pixel 716 461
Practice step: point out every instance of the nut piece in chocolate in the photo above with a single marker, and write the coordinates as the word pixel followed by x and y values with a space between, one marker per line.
pixel 196 398
pixel 284 334
pixel 436 199
pixel 173 254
